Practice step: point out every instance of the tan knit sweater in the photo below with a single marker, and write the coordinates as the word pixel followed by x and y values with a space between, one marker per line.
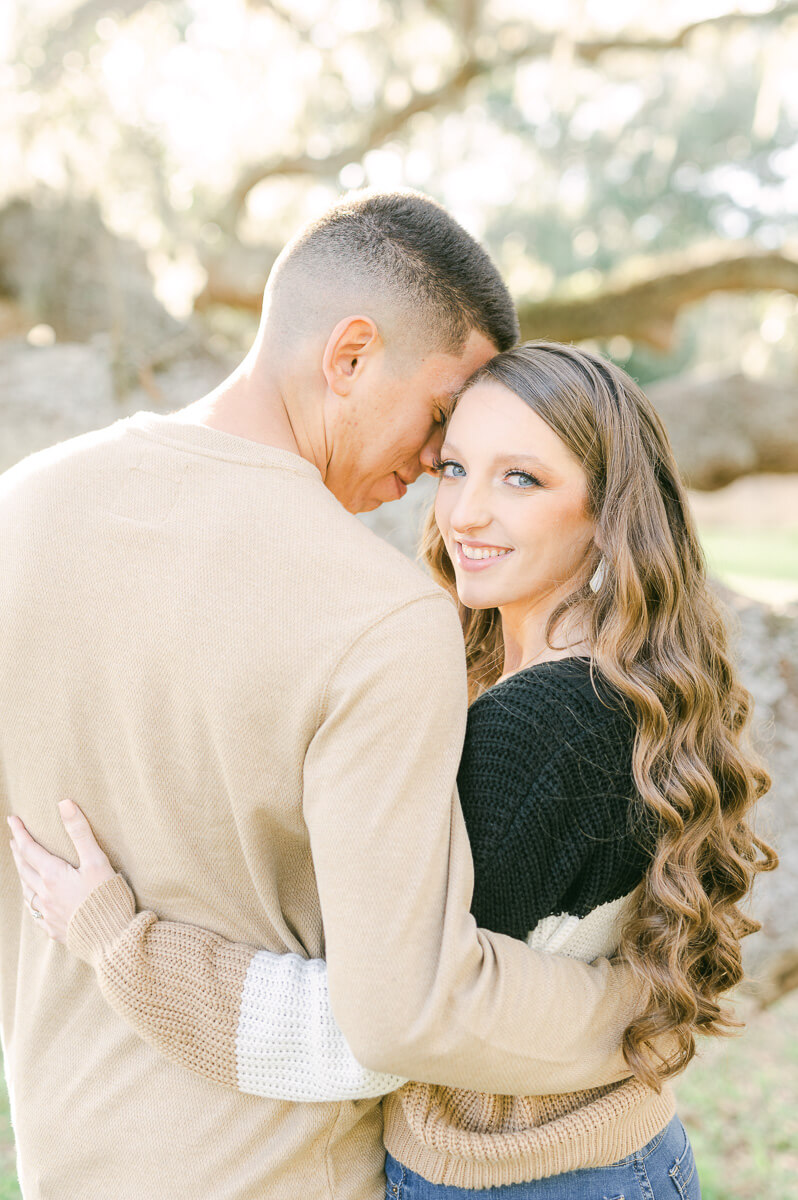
pixel 468 1139
pixel 260 708
pixel 262 1022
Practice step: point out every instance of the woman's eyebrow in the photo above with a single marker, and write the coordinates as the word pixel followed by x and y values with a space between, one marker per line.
pixel 503 460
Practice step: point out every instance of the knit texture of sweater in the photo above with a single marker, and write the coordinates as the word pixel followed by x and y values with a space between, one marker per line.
pixel 549 799
pixel 560 844
pixel 260 708
pixel 548 793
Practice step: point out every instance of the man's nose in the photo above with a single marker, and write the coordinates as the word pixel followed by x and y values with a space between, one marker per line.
pixel 431 451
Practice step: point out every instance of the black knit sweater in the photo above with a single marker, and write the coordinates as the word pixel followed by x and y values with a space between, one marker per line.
pixel 549 799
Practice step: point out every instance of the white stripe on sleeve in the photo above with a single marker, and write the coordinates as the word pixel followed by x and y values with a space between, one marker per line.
pixel 288 1045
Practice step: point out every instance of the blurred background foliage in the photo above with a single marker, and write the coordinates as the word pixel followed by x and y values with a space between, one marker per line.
pixel 633 169
pixel 593 146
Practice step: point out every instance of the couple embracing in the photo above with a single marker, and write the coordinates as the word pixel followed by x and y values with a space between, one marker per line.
pixel 444 864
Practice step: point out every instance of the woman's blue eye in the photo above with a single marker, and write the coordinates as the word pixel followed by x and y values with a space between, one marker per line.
pixel 524 479
pixel 448 469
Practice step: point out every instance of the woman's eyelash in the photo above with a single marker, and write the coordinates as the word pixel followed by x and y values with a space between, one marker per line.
pixel 438 465
pixel 535 481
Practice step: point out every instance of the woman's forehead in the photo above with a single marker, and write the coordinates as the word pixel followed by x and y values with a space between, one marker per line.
pixel 497 420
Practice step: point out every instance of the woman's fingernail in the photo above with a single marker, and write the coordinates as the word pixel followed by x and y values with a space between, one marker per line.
pixel 67 807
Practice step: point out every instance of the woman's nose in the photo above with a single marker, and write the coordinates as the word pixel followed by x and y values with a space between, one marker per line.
pixel 470 510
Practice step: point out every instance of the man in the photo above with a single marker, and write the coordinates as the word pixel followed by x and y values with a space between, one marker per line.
pixel 260 707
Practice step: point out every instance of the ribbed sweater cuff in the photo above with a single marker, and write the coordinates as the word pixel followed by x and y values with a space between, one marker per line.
pixel 101 919
pixel 598 1135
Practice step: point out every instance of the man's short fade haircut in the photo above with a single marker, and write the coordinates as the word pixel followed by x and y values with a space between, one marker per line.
pixel 407 247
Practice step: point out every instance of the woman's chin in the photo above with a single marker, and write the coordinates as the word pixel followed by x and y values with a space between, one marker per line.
pixel 476 597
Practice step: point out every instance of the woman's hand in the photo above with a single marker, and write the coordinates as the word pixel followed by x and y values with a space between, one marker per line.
pixel 50 885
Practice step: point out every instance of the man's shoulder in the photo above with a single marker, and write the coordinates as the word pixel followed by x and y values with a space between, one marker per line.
pixel 62 458
pixel 373 608
pixel 371 565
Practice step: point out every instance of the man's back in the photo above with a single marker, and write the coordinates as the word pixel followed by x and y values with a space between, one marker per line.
pixel 173 602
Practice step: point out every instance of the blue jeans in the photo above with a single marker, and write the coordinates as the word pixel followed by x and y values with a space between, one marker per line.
pixel 663 1170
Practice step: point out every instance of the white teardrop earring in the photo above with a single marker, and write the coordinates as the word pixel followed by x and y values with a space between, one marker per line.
pixel 597 577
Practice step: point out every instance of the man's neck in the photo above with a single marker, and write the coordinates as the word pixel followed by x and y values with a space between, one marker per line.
pixel 249 404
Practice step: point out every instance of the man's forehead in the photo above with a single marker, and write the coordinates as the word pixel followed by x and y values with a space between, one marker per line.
pixel 478 350
pixel 480 345
pixel 456 368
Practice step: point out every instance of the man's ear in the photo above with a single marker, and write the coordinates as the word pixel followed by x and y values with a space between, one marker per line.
pixel 348 348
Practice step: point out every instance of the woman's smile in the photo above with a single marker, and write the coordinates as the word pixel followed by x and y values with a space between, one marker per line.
pixel 476 556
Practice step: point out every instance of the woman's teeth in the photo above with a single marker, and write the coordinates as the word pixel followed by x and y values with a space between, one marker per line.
pixel 481 552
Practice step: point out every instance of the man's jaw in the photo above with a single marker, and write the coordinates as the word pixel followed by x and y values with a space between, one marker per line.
pixel 394 487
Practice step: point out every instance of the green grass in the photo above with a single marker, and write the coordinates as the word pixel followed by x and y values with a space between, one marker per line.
pixel 9 1189
pixel 759 554
pixel 739 1102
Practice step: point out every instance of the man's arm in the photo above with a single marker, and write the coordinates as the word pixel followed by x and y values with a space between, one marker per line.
pixel 246 1018
pixel 395 880
pixel 417 989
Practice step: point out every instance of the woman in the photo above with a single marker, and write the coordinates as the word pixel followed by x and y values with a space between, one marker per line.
pixel 605 783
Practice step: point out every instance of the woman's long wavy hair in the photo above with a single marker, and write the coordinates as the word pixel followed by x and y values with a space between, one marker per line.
pixel 657 634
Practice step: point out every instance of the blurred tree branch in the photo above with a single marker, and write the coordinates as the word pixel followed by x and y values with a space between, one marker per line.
pixel 387 122
pixel 236 276
pixel 592 50
pixel 728 426
pixel 645 311
pixel 384 125
pixel 85 16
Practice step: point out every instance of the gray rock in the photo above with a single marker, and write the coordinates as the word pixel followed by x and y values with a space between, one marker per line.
pixel 61 266
pixel 723 428
pixel 57 392
pixel 766 648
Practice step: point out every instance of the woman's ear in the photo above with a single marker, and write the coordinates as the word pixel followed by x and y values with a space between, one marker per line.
pixel 347 351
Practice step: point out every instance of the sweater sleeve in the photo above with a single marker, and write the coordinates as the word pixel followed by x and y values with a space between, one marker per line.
pixel 417 988
pixel 253 1020
pixel 412 986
